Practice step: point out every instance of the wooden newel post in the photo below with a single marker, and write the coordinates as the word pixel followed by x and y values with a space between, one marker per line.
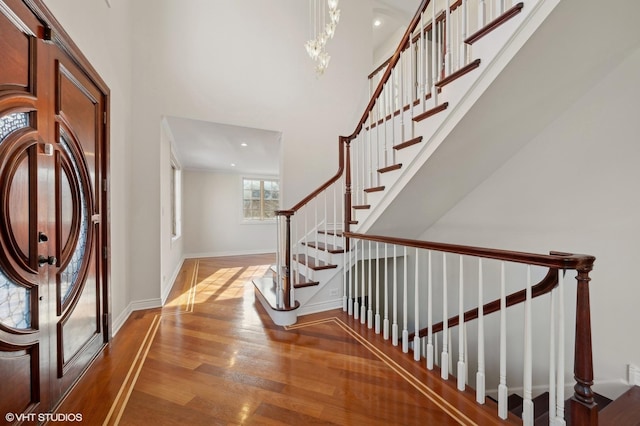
pixel 347 188
pixel 284 263
pixel 584 410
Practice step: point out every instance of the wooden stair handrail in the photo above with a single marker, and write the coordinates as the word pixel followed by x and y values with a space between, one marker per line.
pixel 556 260
pixel 404 41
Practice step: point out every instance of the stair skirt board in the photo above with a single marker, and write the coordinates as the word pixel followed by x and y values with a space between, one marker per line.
pixel 278 317
pixel 314 308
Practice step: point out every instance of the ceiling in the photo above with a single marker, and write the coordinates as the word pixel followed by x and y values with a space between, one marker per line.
pixel 203 145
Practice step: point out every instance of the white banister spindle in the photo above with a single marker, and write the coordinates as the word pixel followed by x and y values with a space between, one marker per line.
pixel 434 55
pixel 350 254
pixel 462 378
pixel 402 95
pixel 356 284
pixel 444 363
pixel 405 305
pixel 480 375
pixel 503 409
pixel 463 35
pixel 345 277
pixel 447 36
pixel 552 356
pixel 412 94
pixel 482 14
pixel 500 8
pixel 430 348
pixel 326 221
pixel 394 325
pixel 370 292
pixel 314 229
pixel 422 68
pixel 394 96
pixel 385 323
pixel 527 403
pixel 560 421
pixel 416 314
pixel 363 305
pixel 377 319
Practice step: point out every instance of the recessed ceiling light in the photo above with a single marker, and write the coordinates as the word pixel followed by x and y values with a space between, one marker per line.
pixel 377 22
pixel 233 164
pixel 243 144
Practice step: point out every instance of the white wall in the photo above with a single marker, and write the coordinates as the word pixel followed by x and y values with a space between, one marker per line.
pixel 573 188
pixel 213 223
pixel 172 252
pixel 104 35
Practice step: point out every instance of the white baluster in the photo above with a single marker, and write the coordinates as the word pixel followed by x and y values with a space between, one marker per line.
pixel 444 363
pixel 503 408
pixel 394 96
pixel 482 14
pixel 430 349
pixel 370 292
pixel 347 267
pixel 363 305
pixel 350 254
pixel 416 337
pixel 401 77
pixel 377 319
pixel 316 258
pixel 552 357
pixel 412 95
pixel 527 403
pixel 447 53
pixel 394 326
pixel 463 33
pixel 385 323
pixel 326 220
pixel 480 375
pixel 422 68
pixel 434 55
pixel 462 378
pixel 356 303
pixel 335 216
pixel 405 306
pixel 560 421
pixel 501 8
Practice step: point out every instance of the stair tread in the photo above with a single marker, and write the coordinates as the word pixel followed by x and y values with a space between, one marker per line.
pixel 462 71
pixel 300 281
pixel 313 263
pixel 325 247
pixel 362 207
pixel 625 410
pixel 389 168
pixel 374 189
pixel 336 233
pixel 408 143
pixel 432 111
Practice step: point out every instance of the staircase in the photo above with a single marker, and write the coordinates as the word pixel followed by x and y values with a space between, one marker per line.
pixel 395 176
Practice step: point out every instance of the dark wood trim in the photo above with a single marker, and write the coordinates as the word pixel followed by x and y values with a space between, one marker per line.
pixel 432 111
pixel 380 68
pixel 408 143
pixel 390 168
pixel 513 11
pixel 456 75
pixel 557 260
pixel 374 189
pixel 362 207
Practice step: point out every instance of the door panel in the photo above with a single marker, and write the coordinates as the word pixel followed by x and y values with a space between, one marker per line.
pixel 52 203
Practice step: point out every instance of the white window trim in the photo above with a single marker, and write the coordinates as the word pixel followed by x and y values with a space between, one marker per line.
pixel 176 200
pixel 244 221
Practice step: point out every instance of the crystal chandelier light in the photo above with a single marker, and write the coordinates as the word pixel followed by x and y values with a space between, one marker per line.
pixel 322 31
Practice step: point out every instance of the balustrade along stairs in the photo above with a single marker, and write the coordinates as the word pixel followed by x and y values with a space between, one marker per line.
pixel 470 312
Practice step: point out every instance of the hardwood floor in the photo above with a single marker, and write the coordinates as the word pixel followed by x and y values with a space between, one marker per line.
pixel 212 356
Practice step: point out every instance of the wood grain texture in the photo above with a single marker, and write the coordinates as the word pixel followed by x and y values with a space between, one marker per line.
pixel 212 356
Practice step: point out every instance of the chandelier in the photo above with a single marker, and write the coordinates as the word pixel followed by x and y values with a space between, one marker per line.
pixel 319 10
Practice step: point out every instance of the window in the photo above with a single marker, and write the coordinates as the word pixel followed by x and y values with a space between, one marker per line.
pixel 260 199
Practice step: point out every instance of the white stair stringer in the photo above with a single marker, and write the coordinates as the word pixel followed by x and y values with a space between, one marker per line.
pixel 431 196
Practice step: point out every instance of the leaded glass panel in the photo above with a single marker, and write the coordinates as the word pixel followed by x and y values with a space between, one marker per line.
pixel 12 122
pixel 69 276
pixel 15 307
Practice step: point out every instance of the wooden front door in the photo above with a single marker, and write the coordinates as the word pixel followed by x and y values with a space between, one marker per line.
pixel 53 229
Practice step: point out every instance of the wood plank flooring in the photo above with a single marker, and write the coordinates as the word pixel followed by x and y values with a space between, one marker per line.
pixel 212 356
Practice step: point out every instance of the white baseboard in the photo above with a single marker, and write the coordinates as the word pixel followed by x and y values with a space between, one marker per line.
pixel 172 281
pixel 139 305
pixel 120 320
pixel 320 307
pixel 228 253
